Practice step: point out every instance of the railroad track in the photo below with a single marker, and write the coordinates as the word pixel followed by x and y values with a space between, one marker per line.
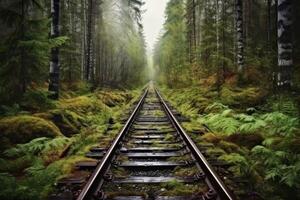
pixel 151 158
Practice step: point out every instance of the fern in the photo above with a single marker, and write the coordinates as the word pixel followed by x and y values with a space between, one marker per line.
pixel 223 122
pixel 10 110
pixel 215 107
pixel 281 166
pixel 240 165
pixel 38 146
pixel 280 123
pixel 250 124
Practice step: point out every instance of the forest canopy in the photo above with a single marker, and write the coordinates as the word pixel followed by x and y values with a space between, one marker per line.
pixel 74 73
pixel 99 42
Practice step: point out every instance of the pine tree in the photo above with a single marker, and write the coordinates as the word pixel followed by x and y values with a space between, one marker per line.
pixel 24 47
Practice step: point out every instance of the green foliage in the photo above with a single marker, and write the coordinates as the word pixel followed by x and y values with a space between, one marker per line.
pixel 37 100
pixel 38 146
pixel 10 110
pixel 279 123
pixel 175 188
pixel 241 166
pixel 23 128
pixel 215 108
pixel 281 166
pixel 250 124
pixel 229 122
pixel 170 51
pixel 35 185
pixel 223 122
pixel 242 97
pixel 24 48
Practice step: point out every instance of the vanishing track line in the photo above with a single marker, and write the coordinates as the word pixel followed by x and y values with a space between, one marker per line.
pixel 151 158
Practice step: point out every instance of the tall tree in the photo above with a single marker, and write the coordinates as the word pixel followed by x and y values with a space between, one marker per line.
pixel 24 47
pixel 285 46
pixel 240 35
pixel 191 29
pixel 54 63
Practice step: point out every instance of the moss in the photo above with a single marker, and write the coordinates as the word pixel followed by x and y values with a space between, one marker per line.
pixel 215 151
pixel 246 140
pixel 169 137
pixel 37 100
pixel 82 104
pixel 181 158
pixel 211 138
pixel 67 121
pixel 119 172
pixel 242 97
pixel 68 166
pixel 231 147
pixel 159 113
pixel 112 99
pixel 22 129
pixel 15 166
pixel 184 172
pixel 175 188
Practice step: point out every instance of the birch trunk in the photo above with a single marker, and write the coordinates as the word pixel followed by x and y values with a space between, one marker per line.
pixel 285 47
pixel 54 63
pixel 240 33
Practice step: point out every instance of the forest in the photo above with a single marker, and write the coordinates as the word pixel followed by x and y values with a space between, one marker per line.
pixel 72 72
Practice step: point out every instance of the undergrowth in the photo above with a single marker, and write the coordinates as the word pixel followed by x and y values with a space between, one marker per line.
pixel 260 139
pixel 30 166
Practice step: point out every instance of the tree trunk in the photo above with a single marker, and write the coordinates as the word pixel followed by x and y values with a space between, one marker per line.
pixel 83 40
pixel 54 63
pixel 240 37
pixel 23 71
pixel 269 21
pixel 191 21
pixel 89 59
pixel 285 47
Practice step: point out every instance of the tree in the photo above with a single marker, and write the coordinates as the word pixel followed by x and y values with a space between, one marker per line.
pixel 191 29
pixel 54 63
pixel 285 46
pixel 240 35
pixel 24 47
pixel 90 31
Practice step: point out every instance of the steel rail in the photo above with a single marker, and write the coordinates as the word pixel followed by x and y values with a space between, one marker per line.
pixel 96 179
pixel 215 180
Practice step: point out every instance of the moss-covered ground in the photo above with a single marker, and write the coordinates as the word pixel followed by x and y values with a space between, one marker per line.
pixel 256 133
pixel 42 140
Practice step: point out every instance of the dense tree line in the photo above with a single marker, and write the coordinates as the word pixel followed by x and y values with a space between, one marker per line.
pixel 99 42
pixel 255 41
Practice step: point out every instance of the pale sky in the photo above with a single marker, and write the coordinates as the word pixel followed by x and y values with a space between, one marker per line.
pixel 153 20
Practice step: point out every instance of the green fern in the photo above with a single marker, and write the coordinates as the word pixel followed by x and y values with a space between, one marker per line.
pixel 250 123
pixel 280 166
pixel 37 146
pixel 280 123
pixel 222 122
pixel 240 165
pixel 215 107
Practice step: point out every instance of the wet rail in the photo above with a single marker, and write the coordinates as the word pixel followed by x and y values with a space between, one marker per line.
pixel 151 158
